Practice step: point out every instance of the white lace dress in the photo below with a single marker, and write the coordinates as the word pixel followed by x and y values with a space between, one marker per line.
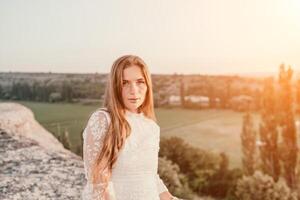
pixel 134 176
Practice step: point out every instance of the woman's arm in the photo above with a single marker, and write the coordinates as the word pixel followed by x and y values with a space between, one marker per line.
pixel 93 137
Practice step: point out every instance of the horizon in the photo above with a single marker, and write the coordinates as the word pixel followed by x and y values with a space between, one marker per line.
pixel 253 74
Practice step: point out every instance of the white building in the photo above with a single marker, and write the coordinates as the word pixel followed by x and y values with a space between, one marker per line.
pixel 199 100
pixel 174 100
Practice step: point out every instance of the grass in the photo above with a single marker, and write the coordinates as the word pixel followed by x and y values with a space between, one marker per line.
pixel 60 117
pixel 213 130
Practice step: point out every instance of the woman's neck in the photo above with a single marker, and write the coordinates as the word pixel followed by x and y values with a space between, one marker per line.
pixel 133 111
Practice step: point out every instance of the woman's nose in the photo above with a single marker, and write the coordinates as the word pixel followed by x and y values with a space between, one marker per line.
pixel 133 88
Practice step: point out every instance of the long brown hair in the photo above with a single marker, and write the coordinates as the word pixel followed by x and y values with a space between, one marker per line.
pixel 119 129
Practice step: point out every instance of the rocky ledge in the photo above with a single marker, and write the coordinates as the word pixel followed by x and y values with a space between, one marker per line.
pixel 34 166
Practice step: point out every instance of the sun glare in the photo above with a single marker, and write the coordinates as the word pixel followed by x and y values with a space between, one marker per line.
pixel 295 9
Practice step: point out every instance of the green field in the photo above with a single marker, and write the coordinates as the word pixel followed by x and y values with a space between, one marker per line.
pixel 214 130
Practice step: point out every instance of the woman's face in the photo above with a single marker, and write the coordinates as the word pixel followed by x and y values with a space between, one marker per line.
pixel 134 88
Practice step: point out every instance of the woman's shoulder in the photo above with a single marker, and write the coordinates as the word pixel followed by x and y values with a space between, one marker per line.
pixel 97 124
pixel 100 114
pixel 152 122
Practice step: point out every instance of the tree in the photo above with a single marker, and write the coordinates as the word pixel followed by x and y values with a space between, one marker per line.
pixel 212 96
pixel 248 138
pixel 182 91
pixel 26 91
pixel 286 122
pixel 226 92
pixel 298 97
pixel 175 181
pixel 222 183
pixel 268 133
pixel 65 139
pixel 67 92
pixel 79 147
pixel 1 92
pixel 257 99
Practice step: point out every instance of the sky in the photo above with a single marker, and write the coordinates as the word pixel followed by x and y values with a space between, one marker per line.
pixel 171 36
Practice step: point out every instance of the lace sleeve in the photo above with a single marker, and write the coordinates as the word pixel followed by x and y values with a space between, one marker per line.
pixel 93 137
pixel 160 185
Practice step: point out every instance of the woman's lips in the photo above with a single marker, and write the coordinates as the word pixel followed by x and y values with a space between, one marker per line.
pixel 133 99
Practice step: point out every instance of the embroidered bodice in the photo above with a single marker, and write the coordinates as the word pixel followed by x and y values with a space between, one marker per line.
pixel 134 175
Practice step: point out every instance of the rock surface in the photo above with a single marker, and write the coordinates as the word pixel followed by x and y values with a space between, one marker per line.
pixel 33 164
pixel 19 120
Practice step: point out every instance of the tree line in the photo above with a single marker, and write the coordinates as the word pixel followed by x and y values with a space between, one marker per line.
pixel 65 91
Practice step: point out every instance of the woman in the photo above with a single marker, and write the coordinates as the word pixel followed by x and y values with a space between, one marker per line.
pixel 121 141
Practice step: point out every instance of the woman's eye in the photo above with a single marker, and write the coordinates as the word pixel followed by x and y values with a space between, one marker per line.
pixel 141 81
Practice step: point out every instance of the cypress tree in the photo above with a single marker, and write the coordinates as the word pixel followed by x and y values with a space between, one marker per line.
pixel 248 138
pixel 268 132
pixel 298 97
pixel 286 122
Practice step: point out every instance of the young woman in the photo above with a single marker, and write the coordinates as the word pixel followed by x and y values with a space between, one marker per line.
pixel 121 140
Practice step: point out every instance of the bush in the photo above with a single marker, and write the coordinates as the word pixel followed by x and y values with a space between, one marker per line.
pixel 189 159
pixel 260 186
pixel 175 181
pixel 207 173
pixel 55 97
pixel 64 139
